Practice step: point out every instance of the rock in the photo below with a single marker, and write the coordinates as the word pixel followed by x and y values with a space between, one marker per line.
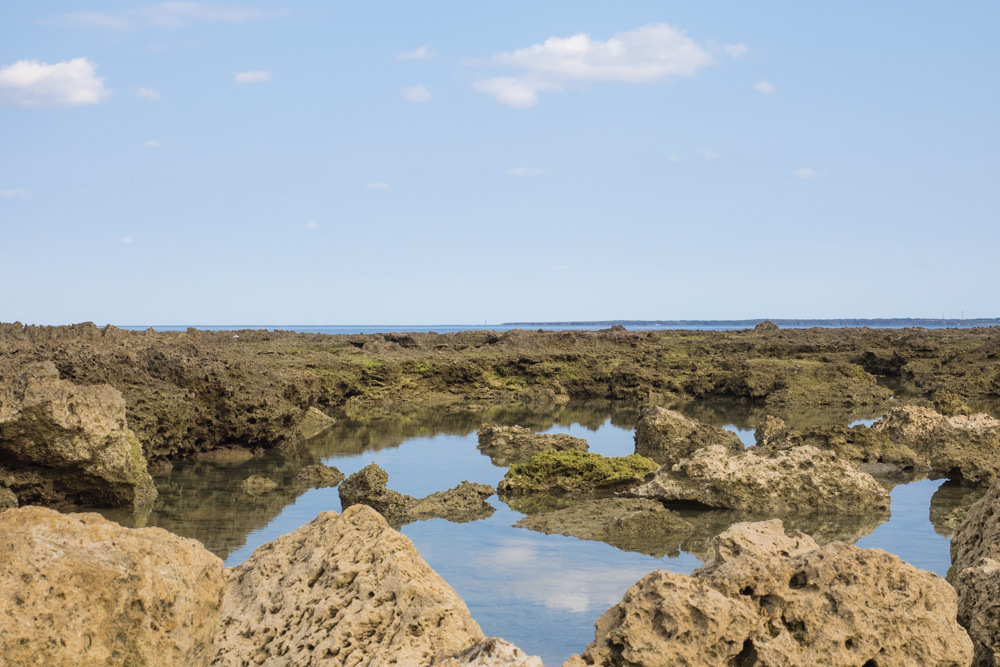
pixel 256 485
pixel 773 599
pixel 7 498
pixel 769 431
pixel 344 589
pixel 630 524
pixel 767 326
pixel 77 589
pixel 319 476
pixel 950 504
pixel 61 443
pixel 314 422
pixel 575 472
pixel 975 574
pixel 227 455
pixel 801 480
pixel 491 652
pixel 667 436
pixel 511 444
pixel 368 486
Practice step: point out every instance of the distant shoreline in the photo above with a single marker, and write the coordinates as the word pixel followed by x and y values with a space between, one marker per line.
pixel 877 323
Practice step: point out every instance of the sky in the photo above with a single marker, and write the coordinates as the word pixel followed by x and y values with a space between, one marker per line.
pixel 430 162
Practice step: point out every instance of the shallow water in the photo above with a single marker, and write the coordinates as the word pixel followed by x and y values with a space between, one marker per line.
pixel 541 592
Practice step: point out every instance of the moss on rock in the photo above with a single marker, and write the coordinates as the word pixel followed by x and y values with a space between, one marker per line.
pixel 571 470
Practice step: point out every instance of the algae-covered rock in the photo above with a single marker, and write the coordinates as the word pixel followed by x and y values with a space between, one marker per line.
pixel 511 444
pixel 319 476
pixel 257 485
pixel 667 436
pixel 573 471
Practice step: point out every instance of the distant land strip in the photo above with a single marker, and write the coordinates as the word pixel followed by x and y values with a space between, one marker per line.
pixel 877 323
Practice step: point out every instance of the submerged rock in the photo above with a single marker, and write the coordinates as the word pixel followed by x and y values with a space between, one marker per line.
pixel 667 436
pixel 773 599
pixel 77 589
pixel 800 480
pixel 62 443
pixel 511 444
pixel 257 485
pixel 319 476
pixel 575 472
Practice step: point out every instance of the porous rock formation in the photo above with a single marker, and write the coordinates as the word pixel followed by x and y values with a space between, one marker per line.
pixel 575 472
pixel 64 444
pixel 799 480
pixel 511 444
pixel 667 436
pixel 257 485
pixel 77 589
pixel 772 599
pixel 319 476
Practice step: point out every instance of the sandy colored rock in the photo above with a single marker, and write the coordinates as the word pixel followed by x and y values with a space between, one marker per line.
pixel 62 443
pixel 226 455
pixel 77 589
pixel 800 480
pixel 511 444
pixel 319 476
pixel 315 422
pixel 775 599
pixel 344 589
pixel 257 485
pixel 667 436
pixel 491 652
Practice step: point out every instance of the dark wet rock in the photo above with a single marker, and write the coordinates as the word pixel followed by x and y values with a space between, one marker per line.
pixel 768 598
pixel 319 476
pixel 257 485
pixel 512 444
pixel 368 486
pixel 667 436
pixel 575 472
pixel 800 480
pixel 7 498
pixel 64 444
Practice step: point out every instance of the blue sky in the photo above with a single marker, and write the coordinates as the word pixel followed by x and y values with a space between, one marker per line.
pixel 455 162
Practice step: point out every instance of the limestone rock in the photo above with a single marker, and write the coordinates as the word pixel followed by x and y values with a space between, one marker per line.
pixel 575 472
pixel 511 444
pixel 227 455
pixel 344 589
pixel 774 599
pixel 62 443
pixel 800 480
pixel 77 589
pixel 7 498
pixel 667 436
pixel 491 652
pixel 314 422
pixel 257 485
pixel 319 476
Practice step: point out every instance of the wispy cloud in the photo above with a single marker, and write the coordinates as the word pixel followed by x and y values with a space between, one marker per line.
pixel 167 15
pixel 709 154
pixel 736 50
pixel 417 93
pixel 29 83
pixel 147 93
pixel 805 173
pixel 127 240
pixel 16 193
pixel 378 185
pixel 312 224
pixel 764 87
pixel 525 172
pixel 258 76
pixel 655 52
pixel 417 54
pixel 153 143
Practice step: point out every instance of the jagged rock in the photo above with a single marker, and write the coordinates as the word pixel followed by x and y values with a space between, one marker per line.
pixel 257 485
pixel 512 444
pixel 61 443
pixel 77 589
pixel 368 486
pixel 7 498
pixel 491 652
pixel 320 476
pixel 772 599
pixel 950 504
pixel 344 589
pixel 575 472
pixel 799 480
pixel 667 436
pixel 975 574
pixel 630 524
pixel 314 422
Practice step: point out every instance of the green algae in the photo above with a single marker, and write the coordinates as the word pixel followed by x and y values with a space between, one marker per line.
pixel 571 470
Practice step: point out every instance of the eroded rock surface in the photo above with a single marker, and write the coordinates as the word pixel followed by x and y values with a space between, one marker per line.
pixel 64 444
pixel 667 436
pixel 77 589
pixel 319 476
pixel 257 485
pixel 773 599
pixel 575 472
pixel 511 444
pixel 491 652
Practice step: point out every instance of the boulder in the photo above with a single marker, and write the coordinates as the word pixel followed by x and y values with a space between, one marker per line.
pixel 77 589
pixel 257 485
pixel 319 476
pixel 768 598
pixel 512 444
pixel 800 480
pixel 575 472
pixel 667 436
pixel 65 444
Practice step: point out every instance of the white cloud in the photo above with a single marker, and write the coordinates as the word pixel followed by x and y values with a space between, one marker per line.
pixel 153 143
pixel 378 185
pixel 258 76
pixel 168 15
pixel 29 83
pixel 735 50
pixel 417 93
pixel 523 172
pixel 764 87
pixel 127 240
pixel 417 54
pixel 805 173
pixel 649 53
pixel 312 225
pixel 147 93
pixel 16 193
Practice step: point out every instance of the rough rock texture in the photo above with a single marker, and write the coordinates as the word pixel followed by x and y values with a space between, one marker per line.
pixel 772 599
pixel 7 498
pixel 63 444
pixel 344 589
pixel 799 480
pixel 257 485
pixel 667 436
pixel 319 476
pixel 314 422
pixel 491 652
pixel 368 486
pixel 575 472
pixel 511 444
pixel 77 589
pixel 975 574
